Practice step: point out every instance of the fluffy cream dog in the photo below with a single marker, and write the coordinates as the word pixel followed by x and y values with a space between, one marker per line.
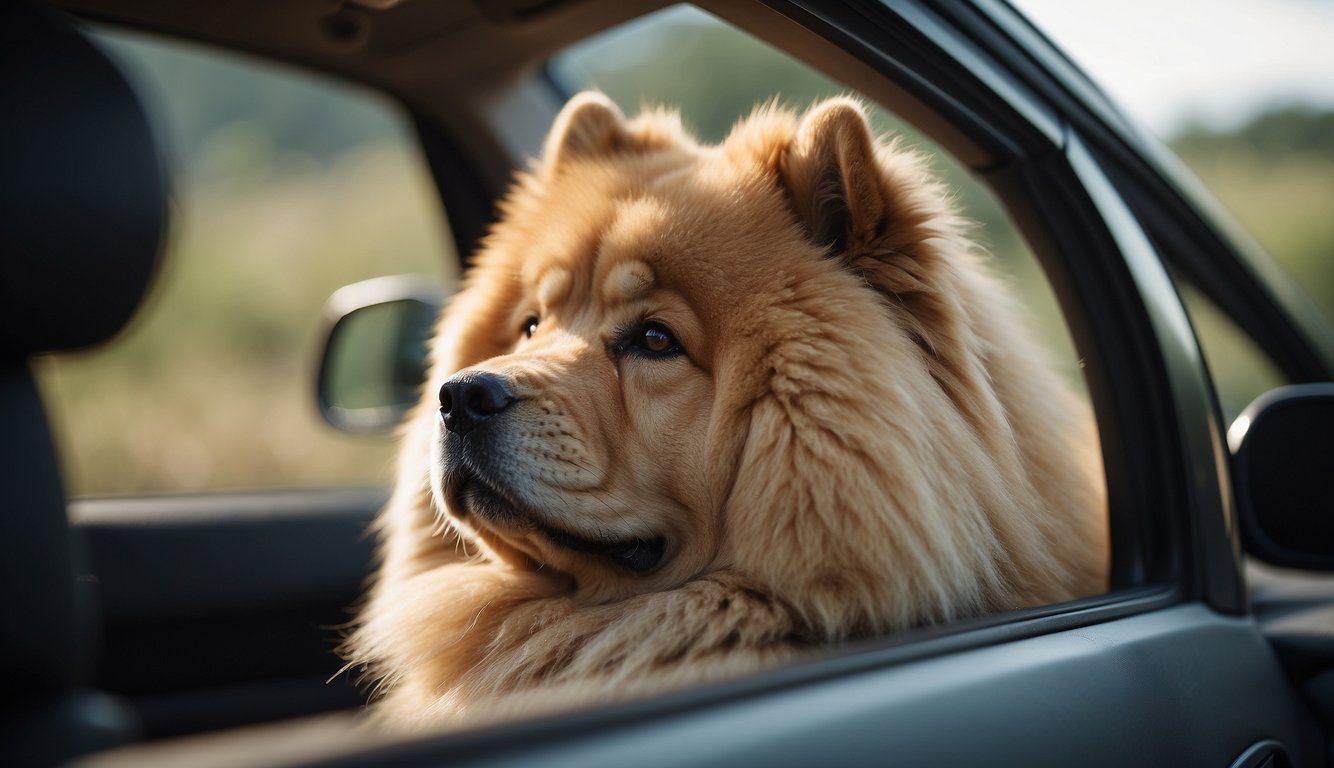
pixel 698 410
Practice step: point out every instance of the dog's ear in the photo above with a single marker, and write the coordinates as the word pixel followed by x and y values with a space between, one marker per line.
pixel 590 124
pixel 885 217
pixel 832 178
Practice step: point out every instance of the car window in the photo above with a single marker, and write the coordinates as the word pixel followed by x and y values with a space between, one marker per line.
pixel 285 187
pixel 673 58
pixel 1275 174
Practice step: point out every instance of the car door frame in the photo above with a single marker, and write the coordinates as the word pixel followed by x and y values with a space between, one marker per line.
pixel 1166 651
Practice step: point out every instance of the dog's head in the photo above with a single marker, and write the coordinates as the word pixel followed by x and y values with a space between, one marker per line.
pixel 669 359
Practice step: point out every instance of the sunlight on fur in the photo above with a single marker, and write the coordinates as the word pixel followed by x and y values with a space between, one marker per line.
pixel 699 411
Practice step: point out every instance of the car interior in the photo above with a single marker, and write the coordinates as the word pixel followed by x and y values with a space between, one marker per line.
pixel 54 76
pixel 138 620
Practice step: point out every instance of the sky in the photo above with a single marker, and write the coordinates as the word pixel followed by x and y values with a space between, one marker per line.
pixel 1215 62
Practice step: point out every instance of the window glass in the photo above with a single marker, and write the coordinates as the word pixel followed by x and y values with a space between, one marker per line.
pixel 284 188
pixel 1275 173
pixel 673 57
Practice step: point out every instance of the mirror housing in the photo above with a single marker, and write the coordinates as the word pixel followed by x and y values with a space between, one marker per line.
pixel 374 358
pixel 1283 475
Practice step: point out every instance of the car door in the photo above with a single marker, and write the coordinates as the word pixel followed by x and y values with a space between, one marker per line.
pixel 1169 667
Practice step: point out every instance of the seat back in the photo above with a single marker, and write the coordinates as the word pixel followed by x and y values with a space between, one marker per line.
pixel 82 214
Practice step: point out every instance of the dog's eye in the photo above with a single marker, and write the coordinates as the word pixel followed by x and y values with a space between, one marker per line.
pixel 655 340
pixel 529 326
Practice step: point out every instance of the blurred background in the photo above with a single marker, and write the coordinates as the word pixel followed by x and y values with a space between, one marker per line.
pixel 285 188
pixel 1243 92
pixel 288 186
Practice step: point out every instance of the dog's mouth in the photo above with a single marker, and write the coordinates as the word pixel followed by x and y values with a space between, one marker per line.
pixel 481 498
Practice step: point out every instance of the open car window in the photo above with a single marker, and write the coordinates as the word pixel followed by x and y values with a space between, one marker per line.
pixel 670 58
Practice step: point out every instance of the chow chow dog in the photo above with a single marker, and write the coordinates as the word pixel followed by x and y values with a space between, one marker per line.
pixel 697 411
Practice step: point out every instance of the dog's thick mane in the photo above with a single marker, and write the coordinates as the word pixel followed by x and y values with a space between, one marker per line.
pixel 972 482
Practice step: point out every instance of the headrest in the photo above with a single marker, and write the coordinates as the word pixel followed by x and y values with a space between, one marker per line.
pixel 82 188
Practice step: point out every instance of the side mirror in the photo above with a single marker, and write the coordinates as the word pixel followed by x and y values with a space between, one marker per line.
pixel 1283 472
pixel 375 351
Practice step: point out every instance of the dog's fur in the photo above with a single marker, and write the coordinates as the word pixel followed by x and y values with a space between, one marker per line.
pixel 860 436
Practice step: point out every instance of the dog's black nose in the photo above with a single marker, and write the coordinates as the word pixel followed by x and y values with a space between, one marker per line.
pixel 468 398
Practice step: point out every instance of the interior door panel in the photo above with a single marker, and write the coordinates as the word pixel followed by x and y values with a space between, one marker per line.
pixel 1295 610
pixel 223 609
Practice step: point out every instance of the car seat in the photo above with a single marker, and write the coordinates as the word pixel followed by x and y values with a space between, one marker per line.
pixel 82 214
